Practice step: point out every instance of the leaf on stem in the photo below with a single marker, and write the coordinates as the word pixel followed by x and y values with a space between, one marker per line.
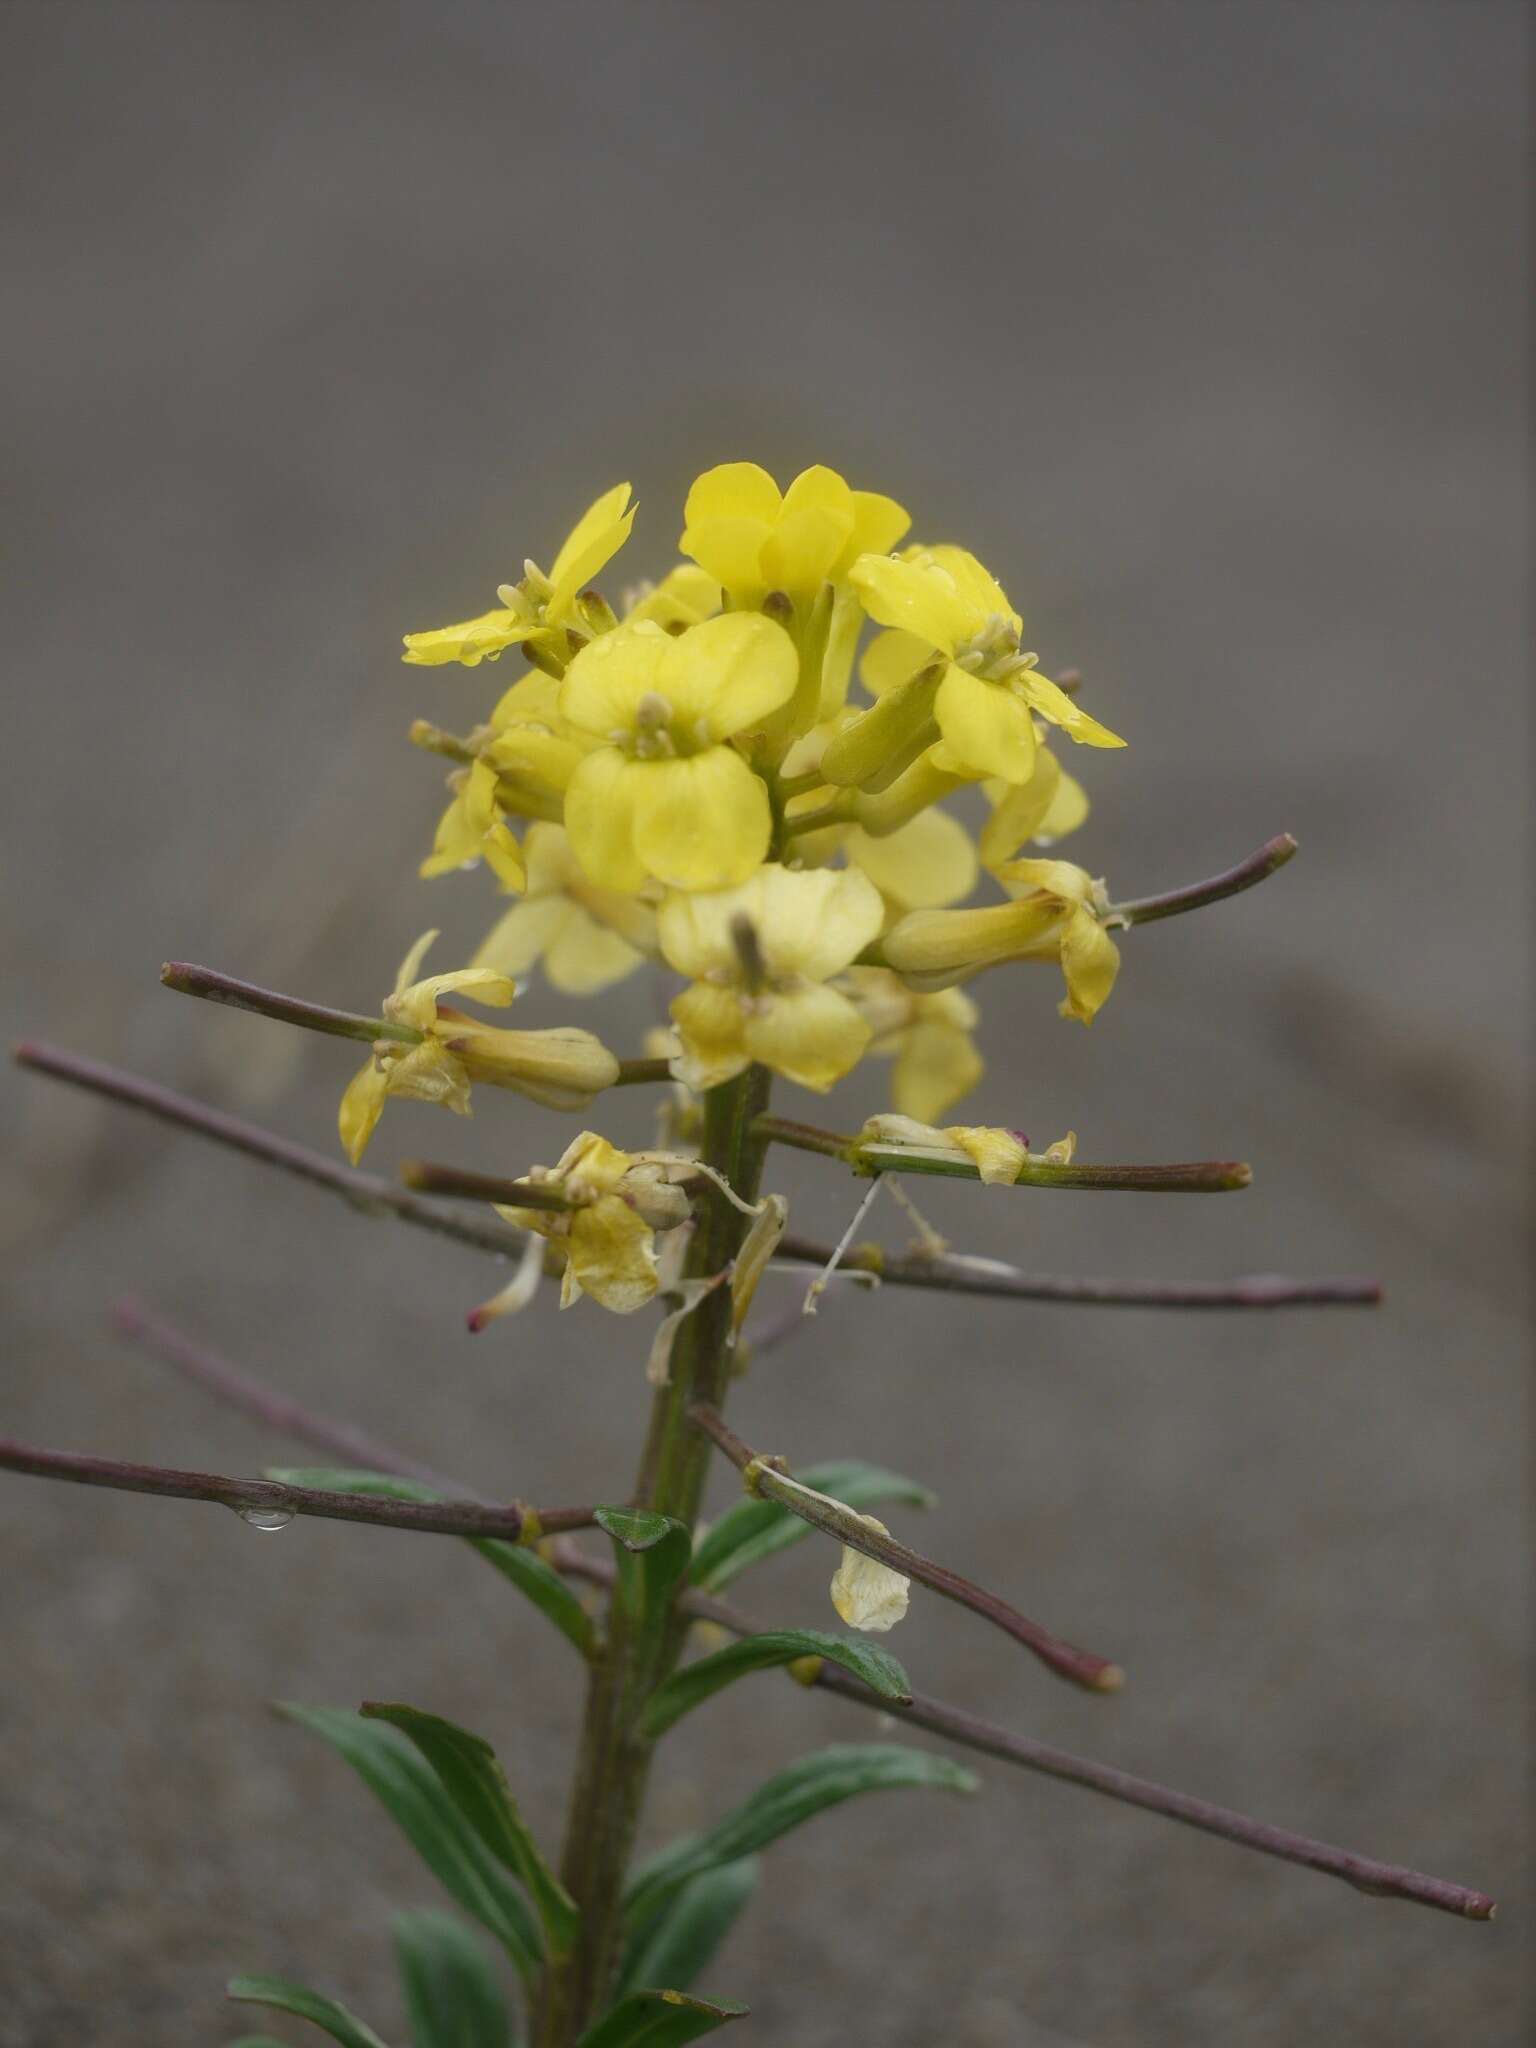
pixel 789 1798
pixel 412 1793
pixel 452 1995
pixel 659 2019
pixel 652 1552
pixel 753 1529
pixel 697 1682
pixel 283 1995
pixel 474 1780
pixel 685 1935
pixel 536 1580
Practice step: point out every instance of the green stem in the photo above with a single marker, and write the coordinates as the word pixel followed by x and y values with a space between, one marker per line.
pixel 614 1759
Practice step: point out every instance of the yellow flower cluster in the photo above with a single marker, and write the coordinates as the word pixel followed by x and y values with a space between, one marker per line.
pixel 693 778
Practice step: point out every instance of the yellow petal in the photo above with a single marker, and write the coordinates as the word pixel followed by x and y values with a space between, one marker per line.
pixel 813 528
pixel 600 809
pixel 936 1065
pixel 998 1154
pixel 1090 960
pixel 480 984
pixel 916 597
pixel 814 924
pixel 986 728
pixel 1052 702
pixel 596 537
pixel 613 1255
pixel 811 1035
pixel 701 823
pixel 361 1107
pixel 519 936
pixel 472 642
pixel 977 587
pixel 1069 807
pixel 1021 811
pixel 733 490
pixel 755 1256
pixel 931 861
pixel 728 673
pixel 730 550
pixel 504 857
pixel 684 596
pixel 890 658
pixel 410 966
pixel 878 523
pixel 583 956
pixel 710 1023
pixel 1062 878
pixel 602 688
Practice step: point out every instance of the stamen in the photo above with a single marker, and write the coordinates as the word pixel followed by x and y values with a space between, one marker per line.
pixel 818 1285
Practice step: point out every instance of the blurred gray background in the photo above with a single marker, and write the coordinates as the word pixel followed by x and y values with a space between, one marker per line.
pixel 1205 326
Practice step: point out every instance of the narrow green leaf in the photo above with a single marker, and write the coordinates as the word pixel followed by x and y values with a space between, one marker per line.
pixel 476 1783
pixel 791 1796
pixel 533 1578
pixel 410 1789
pixel 452 1994
pixel 694 1683
pixel 686 1934
pixel 652 1553
pixel 285 1996
pixel 754 1529
pixel 658 2019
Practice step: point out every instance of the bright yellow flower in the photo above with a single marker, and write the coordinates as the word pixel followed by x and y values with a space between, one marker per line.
pixel 563 1068
pixel 1057 914
pixel 608 1234
pixel 942 604
pixel 752 538
pixel 928 1036
pixel 760 956
pixel 587 937
pixel 534 607
pixel 664 794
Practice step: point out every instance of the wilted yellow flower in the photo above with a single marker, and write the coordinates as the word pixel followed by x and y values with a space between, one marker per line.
pixel 869 1595
pixel 941 603
pixel 760 956
pixel 563 1068
pixel 752 538
pixel 665 794
pixel 996 1154
pixel 928 1036
pixel 473 829
pixel 587 937
pixel 1046 808
pixel 533 608
pixel 1057 914
pixel 608 1234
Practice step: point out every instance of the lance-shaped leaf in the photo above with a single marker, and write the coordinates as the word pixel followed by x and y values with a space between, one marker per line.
pixel 652 1552
pixel 473 1779
pixel 414 1795
pixel 285 1996
pixel 754 1529
pixel 796 1794
pixel 695 1683
pixel 451 1990
pixel 533 1578
pixel 685 1935
pixel 658 2019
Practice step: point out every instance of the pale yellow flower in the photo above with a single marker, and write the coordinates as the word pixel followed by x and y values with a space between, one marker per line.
pixel 608 1234
pixel 948 613
pixel 563 1068
pixel 760 956
pixel 753 539
pixel 473 829
pixel 1046 808
pixel 685 596
pixel 664 793
pixel 587 937
pixel 869 1595
pixel 928 1037
pixel 532 609
pixel 926 863
pixel 1057 914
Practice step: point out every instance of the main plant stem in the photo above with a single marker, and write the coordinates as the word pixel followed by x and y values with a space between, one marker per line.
pixel 614 1759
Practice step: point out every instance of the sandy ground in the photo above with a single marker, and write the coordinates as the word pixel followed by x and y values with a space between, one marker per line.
pixel 1205 325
